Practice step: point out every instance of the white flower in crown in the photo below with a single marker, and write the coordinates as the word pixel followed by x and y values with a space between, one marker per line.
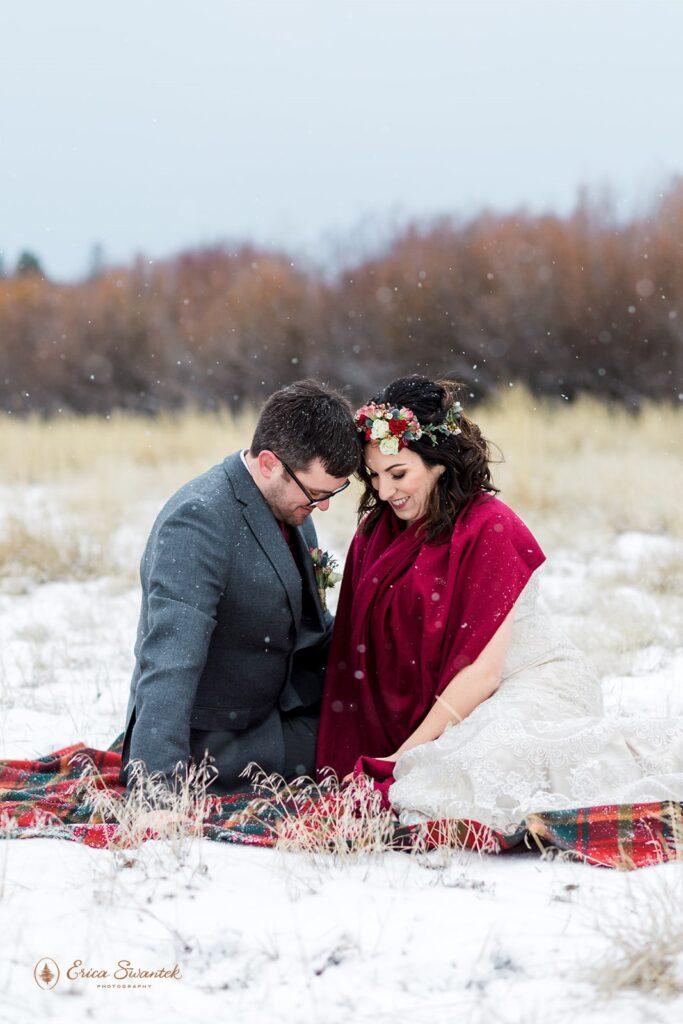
pixel 380 428
pixel 389 446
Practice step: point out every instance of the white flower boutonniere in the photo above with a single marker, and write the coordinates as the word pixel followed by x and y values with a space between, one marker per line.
pixel 326 577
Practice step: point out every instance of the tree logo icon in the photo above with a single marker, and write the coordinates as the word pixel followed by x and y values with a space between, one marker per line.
pixel 46 973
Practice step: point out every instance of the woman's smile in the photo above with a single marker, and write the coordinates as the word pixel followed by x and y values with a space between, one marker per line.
pixel 404 481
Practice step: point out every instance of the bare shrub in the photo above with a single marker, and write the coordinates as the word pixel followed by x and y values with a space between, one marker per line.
pixel 565 305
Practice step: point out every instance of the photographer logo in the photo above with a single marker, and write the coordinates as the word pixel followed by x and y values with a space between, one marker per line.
pixel 46 973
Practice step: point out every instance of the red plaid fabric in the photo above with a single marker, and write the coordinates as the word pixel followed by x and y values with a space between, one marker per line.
pixel 45 797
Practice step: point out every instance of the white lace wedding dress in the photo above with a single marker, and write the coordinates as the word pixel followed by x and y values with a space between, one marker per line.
pixel 540 742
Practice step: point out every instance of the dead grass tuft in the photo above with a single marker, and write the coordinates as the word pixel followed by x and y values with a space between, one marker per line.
pixel 319 818
pixel 346 821
pixel 43 556
pixel 152 808
pixel 660 574
pixel 644 934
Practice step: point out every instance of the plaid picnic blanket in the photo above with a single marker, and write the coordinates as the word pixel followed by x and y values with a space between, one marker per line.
pixel 45 797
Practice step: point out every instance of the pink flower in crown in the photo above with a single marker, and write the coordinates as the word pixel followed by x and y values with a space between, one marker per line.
pixel 391 429
pixel 386 428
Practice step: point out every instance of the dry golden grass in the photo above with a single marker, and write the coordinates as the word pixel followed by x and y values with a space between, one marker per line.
pixel 319 818
pixel 74 482
pixel 64 448
pixel 573 472
pixel 331 819
pixel 151 808
pixel 587 466
pixel 644 936
pixel 43 554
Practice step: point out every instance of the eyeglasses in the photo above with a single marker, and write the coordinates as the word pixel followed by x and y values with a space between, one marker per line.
pixel 312 502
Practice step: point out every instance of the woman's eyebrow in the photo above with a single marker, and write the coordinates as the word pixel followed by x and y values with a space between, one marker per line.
pixel 395 465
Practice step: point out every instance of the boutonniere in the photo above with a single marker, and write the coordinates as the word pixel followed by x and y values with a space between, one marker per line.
pixel 324 566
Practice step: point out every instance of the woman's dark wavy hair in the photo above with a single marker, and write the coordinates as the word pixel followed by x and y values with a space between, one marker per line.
pixel 465 456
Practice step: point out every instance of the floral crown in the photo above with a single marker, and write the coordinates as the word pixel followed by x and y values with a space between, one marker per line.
pixel 390 429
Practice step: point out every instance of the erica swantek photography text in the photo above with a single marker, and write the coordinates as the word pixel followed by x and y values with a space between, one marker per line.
pixel 124 974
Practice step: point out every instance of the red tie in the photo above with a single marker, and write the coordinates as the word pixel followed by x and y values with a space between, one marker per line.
pixel 287 534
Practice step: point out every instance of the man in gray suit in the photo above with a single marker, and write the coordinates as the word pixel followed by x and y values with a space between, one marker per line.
pixel 233 637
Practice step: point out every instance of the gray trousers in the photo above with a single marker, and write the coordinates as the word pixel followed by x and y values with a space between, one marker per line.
pixel 299 732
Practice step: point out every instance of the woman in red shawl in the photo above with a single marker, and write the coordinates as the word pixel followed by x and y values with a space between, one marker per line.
pixel 446 680
pixel 432 575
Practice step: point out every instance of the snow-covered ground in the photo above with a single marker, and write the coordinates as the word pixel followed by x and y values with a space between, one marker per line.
pixel 260 935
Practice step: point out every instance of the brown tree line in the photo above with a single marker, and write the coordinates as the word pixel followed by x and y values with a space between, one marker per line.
pixel 584 303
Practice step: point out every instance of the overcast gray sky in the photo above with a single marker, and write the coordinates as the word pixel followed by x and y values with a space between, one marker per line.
pixel 152 125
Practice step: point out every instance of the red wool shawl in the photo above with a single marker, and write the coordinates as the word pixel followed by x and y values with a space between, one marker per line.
pixel 411 615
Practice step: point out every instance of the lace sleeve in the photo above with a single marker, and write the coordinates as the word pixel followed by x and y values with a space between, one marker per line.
pixel 527 602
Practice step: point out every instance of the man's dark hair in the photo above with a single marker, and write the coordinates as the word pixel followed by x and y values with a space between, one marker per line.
pixel 306 421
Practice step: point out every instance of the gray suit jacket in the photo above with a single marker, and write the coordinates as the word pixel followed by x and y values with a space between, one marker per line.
pixel 231 634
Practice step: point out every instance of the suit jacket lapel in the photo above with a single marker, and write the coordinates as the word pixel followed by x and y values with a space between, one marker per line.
pixel 266 531
pixel 306 562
